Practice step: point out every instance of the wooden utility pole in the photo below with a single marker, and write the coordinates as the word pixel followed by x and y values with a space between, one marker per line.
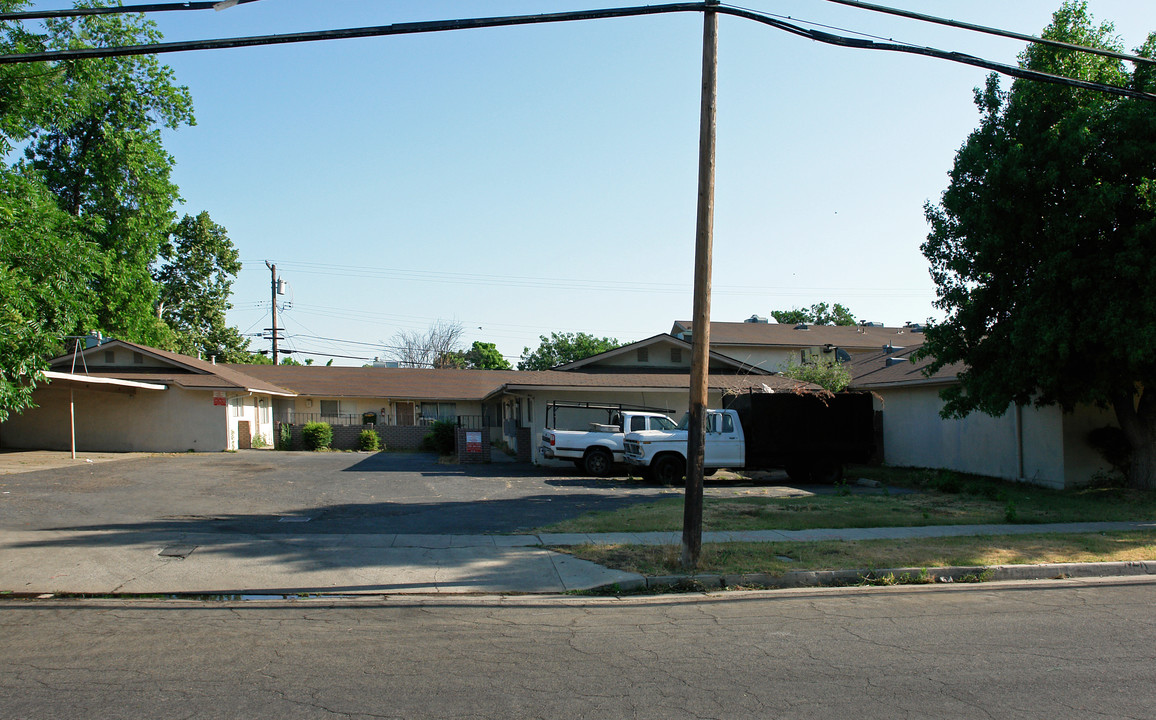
pixel 700 328
pixel 273 269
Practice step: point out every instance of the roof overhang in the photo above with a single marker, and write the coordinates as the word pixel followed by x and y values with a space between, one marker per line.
pixel 88 382
pixel 258 391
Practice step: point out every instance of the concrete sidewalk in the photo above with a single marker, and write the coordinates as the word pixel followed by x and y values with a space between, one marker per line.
pixel 95 562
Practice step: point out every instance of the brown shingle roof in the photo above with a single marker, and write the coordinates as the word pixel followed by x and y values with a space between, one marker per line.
pixel 449 384
pixel 378 382
pixel 854 337
pixel 189 372
pixel 872 370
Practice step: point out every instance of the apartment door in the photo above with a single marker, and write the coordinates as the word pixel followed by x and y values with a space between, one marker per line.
pixel 404 411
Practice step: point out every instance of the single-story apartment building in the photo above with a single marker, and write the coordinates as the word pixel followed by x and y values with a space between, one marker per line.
pixel 1040 445
pixel 119 396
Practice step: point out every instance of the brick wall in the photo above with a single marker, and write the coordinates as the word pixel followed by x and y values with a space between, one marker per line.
pixel 525 447
pixel 481 452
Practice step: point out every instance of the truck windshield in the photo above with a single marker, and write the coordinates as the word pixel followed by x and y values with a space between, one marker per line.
pixel 661 423
pixel 684 423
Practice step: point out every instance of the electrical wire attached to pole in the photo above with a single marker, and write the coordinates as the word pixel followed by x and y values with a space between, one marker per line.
pixel 412 28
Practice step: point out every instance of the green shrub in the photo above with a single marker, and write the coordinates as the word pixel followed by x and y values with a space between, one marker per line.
pixel 368 440
pixel 285 435
pixel 831 376
pixel 317 435
pixel 442 438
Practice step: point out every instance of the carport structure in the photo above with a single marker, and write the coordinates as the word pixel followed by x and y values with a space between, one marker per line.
pixel 88 383
pixel 131 397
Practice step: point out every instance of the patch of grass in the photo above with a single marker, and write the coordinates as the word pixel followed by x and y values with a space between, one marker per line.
pixel 778 558
pixel 940 498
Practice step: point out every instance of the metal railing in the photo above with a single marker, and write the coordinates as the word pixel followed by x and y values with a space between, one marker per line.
pixel 296 418
pixel 472 422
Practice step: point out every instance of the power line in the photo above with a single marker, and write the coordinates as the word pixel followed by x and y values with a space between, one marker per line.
pixel 515 20
pixel 631 286
pixel 121 9
pixel 992 31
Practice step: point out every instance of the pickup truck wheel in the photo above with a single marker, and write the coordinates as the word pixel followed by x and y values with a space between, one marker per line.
pixel 827 472
pixel 597 462
pixel 669 469
pixel 799 472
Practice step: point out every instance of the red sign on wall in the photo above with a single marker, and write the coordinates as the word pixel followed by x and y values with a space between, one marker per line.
pixel 219 398
pixel 473 442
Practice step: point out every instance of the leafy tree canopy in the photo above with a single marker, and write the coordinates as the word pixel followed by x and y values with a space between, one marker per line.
pixel 195 281
pixel 562 348
pixel 95 141
pixel 45 266
pixel 1041 246
pixel 86 205
pixel 485 356
pixel 817 314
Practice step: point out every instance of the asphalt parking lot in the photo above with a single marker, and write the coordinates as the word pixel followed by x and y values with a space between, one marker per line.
pixel 300 492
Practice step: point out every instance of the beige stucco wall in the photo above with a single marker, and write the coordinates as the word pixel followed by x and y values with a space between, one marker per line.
pixel 172 420
pixel 248 408
pixel 770 359
pixel 1055 449
pixel 657 356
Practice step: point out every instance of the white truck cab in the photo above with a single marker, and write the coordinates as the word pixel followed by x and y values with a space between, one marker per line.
pixel 596 448
pixel 662 453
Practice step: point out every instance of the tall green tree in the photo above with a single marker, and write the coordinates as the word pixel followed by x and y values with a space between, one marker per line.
pixel 1042 246
pixel 45 268
pixel 817 314
pixel 198 266
pixel 562 348
pixel 96 143
pixel 485 356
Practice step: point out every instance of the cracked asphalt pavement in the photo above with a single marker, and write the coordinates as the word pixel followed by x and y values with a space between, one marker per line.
pixel 1048 650
pixel 347 493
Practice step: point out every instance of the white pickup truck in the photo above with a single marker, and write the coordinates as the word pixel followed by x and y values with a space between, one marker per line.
pixel 809 435
pixel 596 449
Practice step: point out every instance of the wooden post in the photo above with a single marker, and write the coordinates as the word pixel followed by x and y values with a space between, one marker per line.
pixel 700 329
pixel 72 418
pixel 273 270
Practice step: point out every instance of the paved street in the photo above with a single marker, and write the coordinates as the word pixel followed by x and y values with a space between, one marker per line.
pixel 1049 650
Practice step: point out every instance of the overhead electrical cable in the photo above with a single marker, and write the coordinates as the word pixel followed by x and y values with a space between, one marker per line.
pixel 452 278
pixel 513 20
pixel 992 31
pixel 121 9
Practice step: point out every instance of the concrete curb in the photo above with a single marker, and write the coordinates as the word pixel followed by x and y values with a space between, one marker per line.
pixel 901 576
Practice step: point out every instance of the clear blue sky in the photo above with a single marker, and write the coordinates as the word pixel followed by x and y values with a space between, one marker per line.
pixel 532 179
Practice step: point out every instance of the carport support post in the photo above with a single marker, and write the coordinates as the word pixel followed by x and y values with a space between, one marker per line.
pixel 72 418
pixel 700 329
